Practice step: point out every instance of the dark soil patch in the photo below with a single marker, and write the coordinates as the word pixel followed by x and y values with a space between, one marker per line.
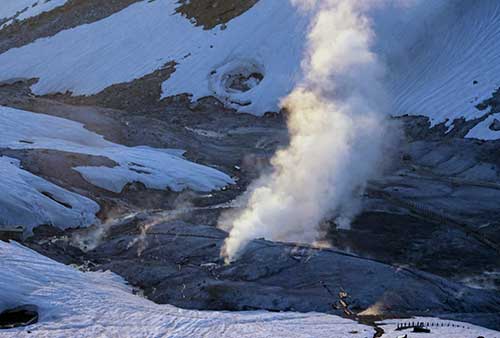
pixel 210 13
pixel 136 95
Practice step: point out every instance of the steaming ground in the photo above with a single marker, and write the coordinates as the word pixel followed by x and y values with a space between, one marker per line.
pixel 330 158
pixel 424 231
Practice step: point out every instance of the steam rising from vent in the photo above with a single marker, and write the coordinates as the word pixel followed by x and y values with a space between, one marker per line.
pixel 337 132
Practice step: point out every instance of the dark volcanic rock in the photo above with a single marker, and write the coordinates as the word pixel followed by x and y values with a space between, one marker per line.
pixel 179 264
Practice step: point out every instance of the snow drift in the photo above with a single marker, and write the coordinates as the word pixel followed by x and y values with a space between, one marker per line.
pixel 88 304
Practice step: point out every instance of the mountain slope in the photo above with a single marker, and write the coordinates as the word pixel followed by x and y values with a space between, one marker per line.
pixel 129 47
pixel 441 57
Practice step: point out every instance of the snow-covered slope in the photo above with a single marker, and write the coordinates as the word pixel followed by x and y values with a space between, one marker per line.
pixel 24 9
pixel 29 200
pixel 76 304
pixel 441 59
pixel 445 64
pixel 442 56
pixel 125 46
pixel 155 168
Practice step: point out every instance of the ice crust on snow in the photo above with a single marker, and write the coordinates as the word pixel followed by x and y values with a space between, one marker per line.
pixel 77 304
pixel 9 9
pixel 155 168
pixel 29 200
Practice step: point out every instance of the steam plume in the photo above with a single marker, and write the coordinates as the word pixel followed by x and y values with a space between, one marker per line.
pixel 336 126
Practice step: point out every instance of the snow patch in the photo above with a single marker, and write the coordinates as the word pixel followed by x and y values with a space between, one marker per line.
pixel 29 200
pixel 231 81
pixel 443 58
pixel 88 304
pixel 123 47
pixel 155 168
pixel 489 129
pixel 441 55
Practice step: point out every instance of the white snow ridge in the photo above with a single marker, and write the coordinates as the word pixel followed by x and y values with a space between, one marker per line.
pixel 94 304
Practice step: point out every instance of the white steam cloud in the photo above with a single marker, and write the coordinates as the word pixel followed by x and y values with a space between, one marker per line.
pixel 337 127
